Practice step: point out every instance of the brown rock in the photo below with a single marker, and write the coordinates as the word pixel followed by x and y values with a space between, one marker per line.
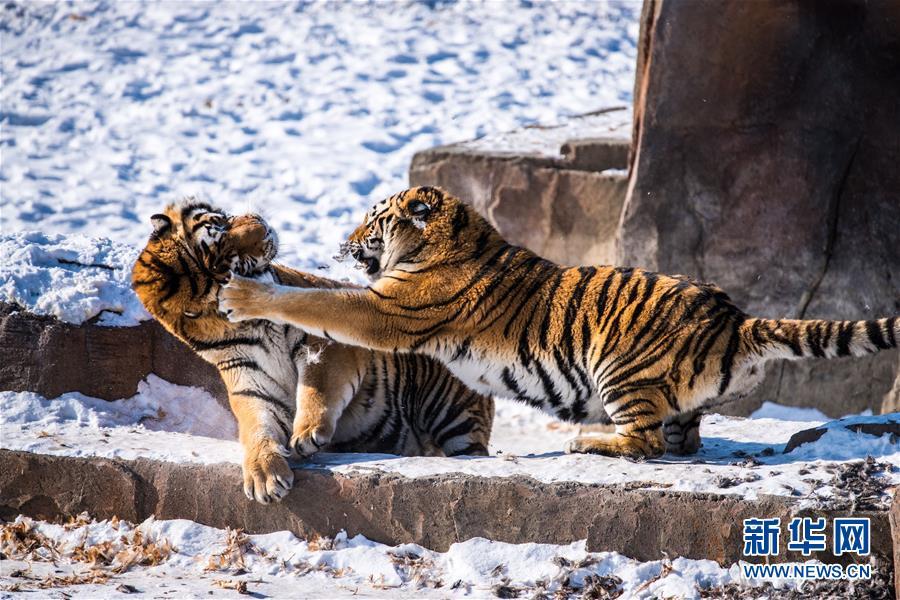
pixel 31 487
pixel 765 161
pixel 891 402
pixel 875 429
pixel 45 355
pixel 596 154
pixel 561 207
pixel 433 511
pixel 895 537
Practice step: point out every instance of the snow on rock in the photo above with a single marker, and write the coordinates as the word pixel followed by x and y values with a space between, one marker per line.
pixel 72 277
pixel 547 141
pixel 191 560
pixel 739 456
pixel 157 406
pixel 839 442
pixel 307 113
pixel 773 410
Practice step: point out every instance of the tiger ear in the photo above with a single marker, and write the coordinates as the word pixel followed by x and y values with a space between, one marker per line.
pixel 160 223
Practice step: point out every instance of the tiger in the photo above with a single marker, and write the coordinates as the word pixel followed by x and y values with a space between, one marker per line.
pixel 644 350
pixel 292 392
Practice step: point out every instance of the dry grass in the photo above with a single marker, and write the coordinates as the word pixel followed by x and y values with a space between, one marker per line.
pixel 318 543
pixel 237 546
pixel 232 584
pixel 419 571
pixel 22 541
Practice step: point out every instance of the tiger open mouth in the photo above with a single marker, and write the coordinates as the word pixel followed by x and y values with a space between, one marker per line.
pixel 371 265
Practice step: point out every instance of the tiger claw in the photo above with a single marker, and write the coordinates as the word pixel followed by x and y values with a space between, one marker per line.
pixel 267 475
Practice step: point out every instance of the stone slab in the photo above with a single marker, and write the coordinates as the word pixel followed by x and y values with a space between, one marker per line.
pixel 50 357
pixel 434 511
pixel 557 190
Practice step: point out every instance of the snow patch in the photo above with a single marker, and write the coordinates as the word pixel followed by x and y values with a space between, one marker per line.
pixel 303 112
pixel 157 406
pixel 72 277
pixel 547 141
pixel 196 559
pixel 773 410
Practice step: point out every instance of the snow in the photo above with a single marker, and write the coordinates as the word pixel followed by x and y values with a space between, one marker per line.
pixel 299 110
pixel 547 141
pixel 171 423
pixel 157 406
pixel 197 559
pixel 72 277
pixel 773 410
pixel 841 443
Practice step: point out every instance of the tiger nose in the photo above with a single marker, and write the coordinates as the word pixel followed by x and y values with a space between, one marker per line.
pixel 245 220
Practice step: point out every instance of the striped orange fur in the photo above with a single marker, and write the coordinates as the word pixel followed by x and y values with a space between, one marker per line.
pixel 291 391
pixel 587 344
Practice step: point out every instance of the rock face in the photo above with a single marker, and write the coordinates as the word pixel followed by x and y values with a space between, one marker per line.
pixel 44 355
pixel 644 524
pixel 891 402
pixel 544 189
pixel 895 535
pixel 765 160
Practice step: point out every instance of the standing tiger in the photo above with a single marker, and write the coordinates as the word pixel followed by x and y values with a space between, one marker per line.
pixel 582 343
pixel 286 388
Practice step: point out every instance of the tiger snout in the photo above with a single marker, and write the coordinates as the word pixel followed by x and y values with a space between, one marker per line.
pixel 255 244
pixel 366 259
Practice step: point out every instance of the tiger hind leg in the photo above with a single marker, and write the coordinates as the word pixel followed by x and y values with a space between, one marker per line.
pixel 640 445
pixel 468 432
pixel 638 418
pixel 682 433
pixel 324 390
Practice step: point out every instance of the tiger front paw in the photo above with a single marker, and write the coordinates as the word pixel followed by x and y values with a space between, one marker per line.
pixel 242 299
pixel 267 476
pixel 310 437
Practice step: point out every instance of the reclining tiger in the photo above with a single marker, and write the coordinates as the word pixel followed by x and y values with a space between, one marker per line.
pixel 290 390
pixel 582 343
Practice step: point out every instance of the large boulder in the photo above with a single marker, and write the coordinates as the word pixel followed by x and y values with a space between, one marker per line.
pixel 555 190
pixel 891 402
pixel 50 357
pixel 765 160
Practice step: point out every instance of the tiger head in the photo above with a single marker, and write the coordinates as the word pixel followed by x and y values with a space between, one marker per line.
pixel 190 253
pixel 413 228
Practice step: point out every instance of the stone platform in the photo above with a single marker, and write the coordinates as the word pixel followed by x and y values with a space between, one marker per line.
pixel 555 190
pixel 434 511
pixel 680 506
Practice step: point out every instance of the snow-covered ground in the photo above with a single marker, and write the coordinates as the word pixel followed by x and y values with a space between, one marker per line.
pixel 178 558
pixel 72 277
pixel 307 112
pixel 184 559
